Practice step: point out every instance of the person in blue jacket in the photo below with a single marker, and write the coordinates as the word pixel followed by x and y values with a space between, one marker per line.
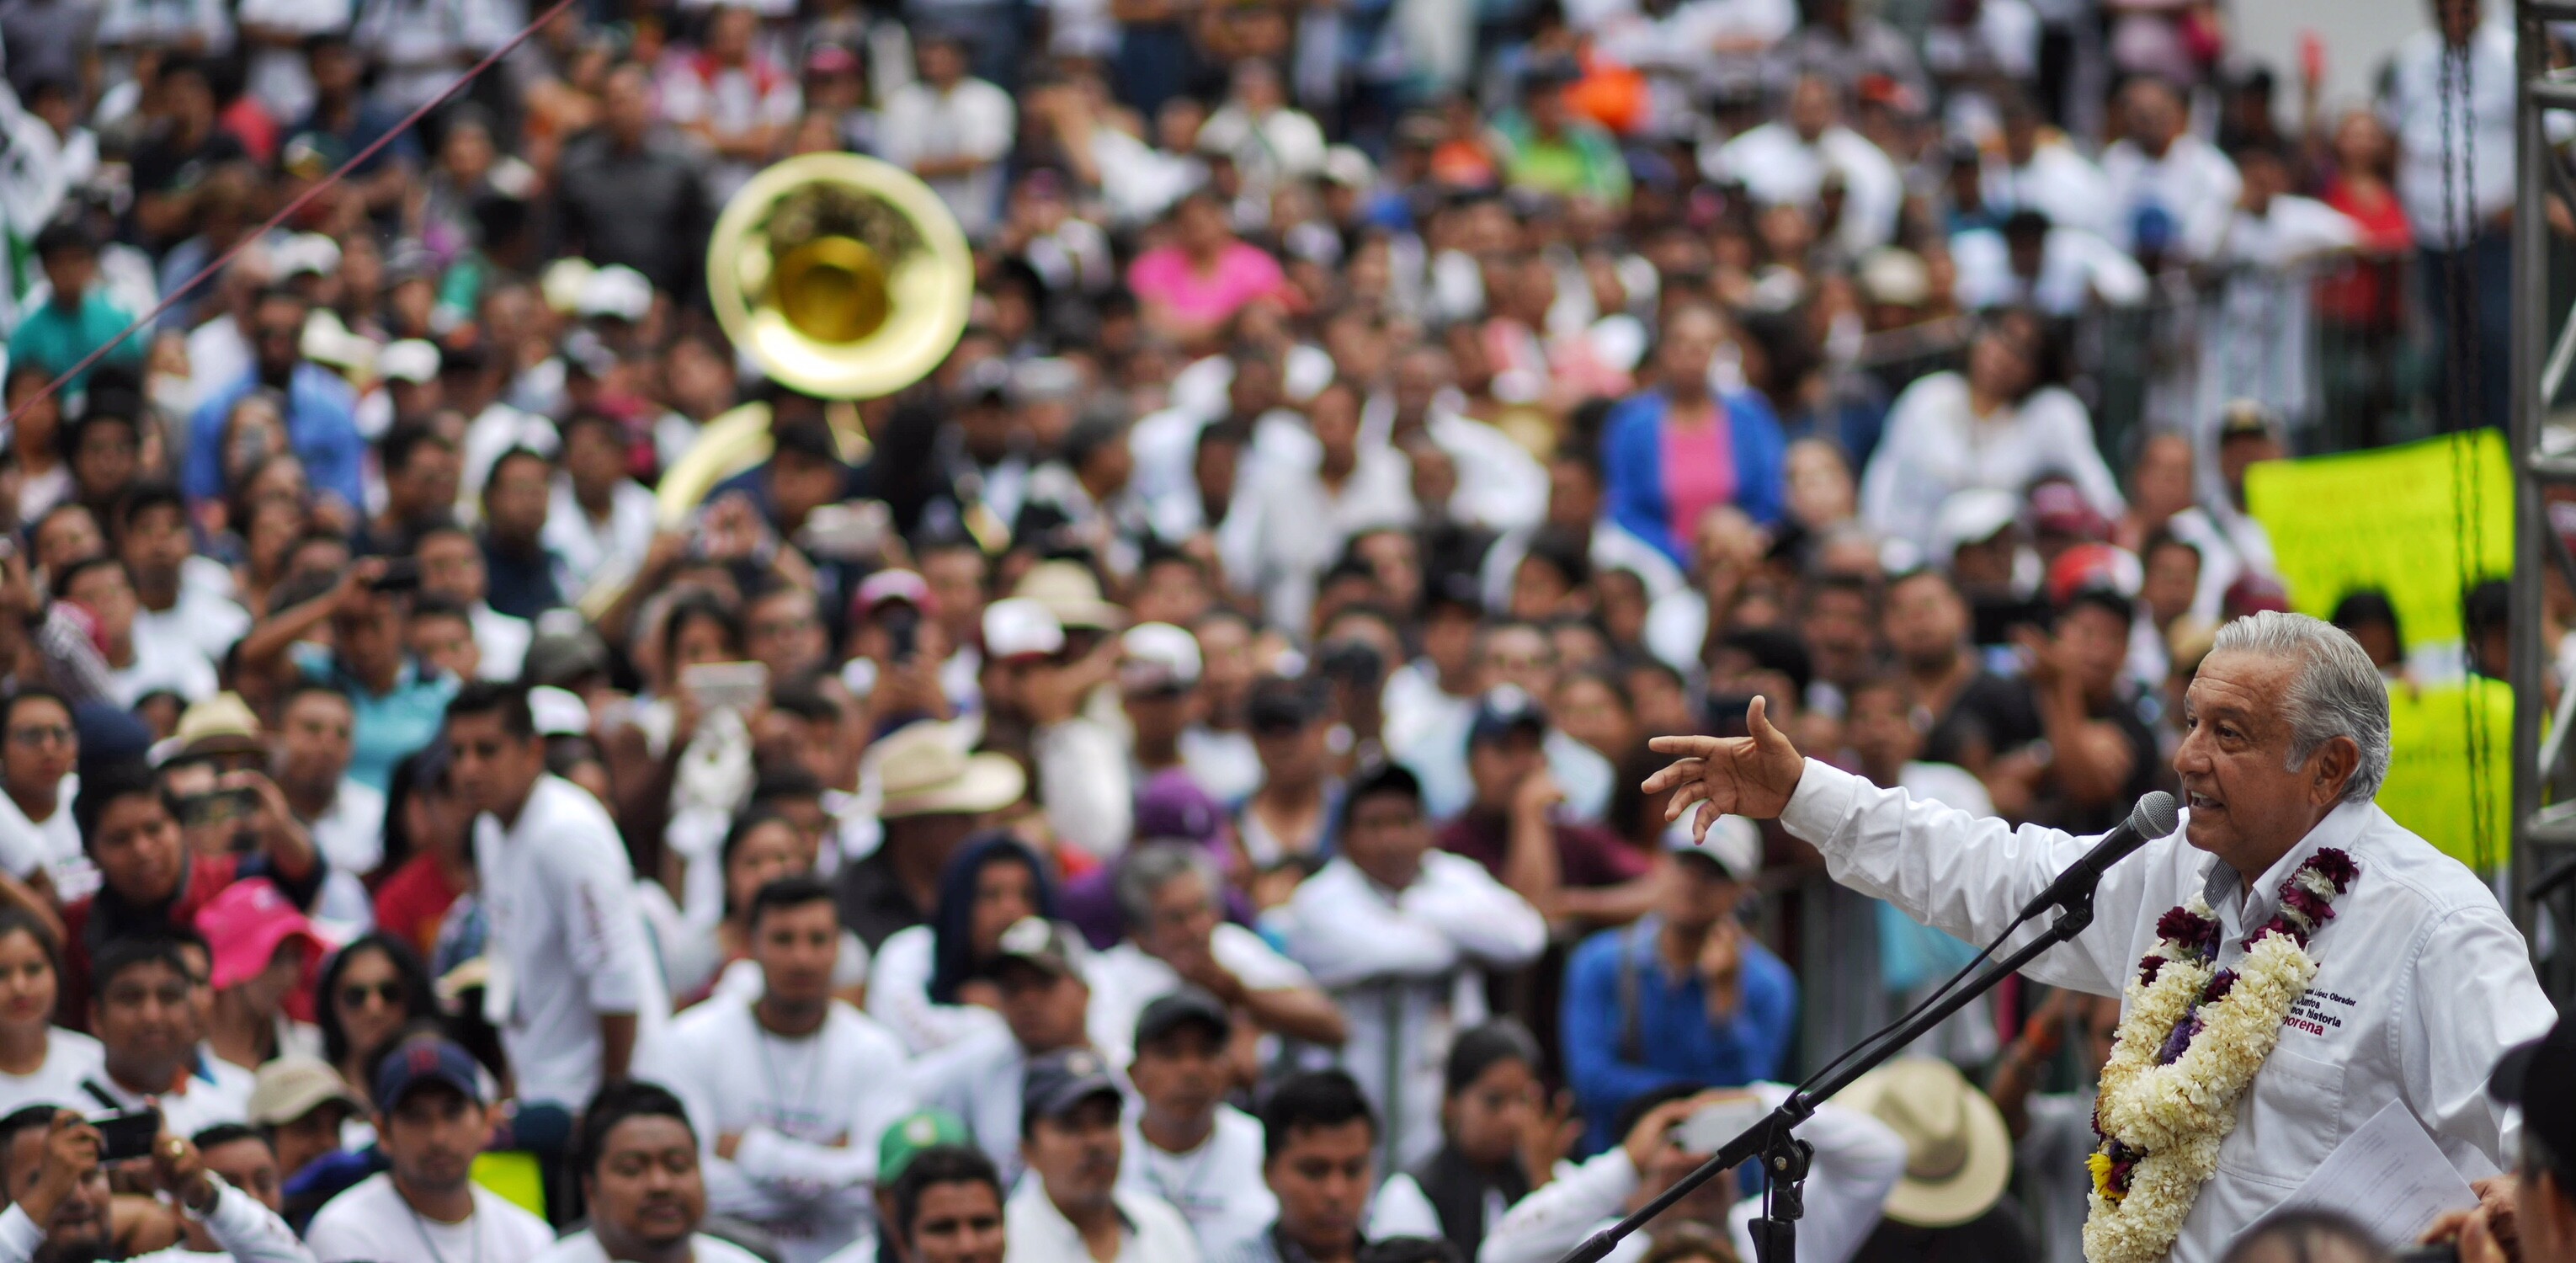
pixel 1684 995
pixel 1672 453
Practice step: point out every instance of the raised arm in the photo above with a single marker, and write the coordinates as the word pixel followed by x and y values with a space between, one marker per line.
pixel 1946 868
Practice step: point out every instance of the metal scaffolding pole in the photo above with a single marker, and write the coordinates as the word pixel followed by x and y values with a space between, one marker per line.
pixel 2542 898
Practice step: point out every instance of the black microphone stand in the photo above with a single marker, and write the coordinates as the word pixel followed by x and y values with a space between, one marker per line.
pixel 1784 1157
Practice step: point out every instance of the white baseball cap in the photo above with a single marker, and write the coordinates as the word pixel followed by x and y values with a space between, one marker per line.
pixel 1733 843
pixel 1158 657
pixel 1020 627
pixel 410 360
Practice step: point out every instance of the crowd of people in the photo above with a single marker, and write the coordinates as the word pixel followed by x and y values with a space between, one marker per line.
pixel 1168 786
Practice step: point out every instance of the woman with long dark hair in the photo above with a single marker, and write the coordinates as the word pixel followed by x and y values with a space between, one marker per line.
pixel 370 990
pixel 39 1061
pixel 924 984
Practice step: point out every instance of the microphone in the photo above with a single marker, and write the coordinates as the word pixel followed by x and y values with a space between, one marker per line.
pixel 2153 817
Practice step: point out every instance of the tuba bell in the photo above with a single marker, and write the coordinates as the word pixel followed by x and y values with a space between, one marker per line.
pixel 842 277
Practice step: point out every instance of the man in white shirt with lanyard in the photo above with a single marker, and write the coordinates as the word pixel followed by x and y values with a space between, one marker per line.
pixel 1186 1145
pixel 432 1117
pixel 2419 980
pixel 789 1093
pixel 572 970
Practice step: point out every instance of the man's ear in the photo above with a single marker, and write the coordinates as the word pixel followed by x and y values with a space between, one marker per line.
pixel 2330 768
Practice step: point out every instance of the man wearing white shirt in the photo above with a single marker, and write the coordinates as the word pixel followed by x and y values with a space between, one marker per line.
pixel 600 521
pixel 1291 519
pixel 2254 328
pixel 452 566
pixel 2043 172
pixel 316 734
pixel 59 1204
pixel 1856 1161
pixel 2421 980
pixel 1171 896
pixel 790 1091
pixel 140 659
pixel 2455 176
pixel 2159 167
pixel 1400 934
pixel 39 842
pixel 641 1182
pixel 140 1008
pixel 2027 261
pixel 1788 163
pixel 952 131
pixel 572 967
pixel 1074 1206
pixel 174 601
pixel 431 1119
pixel 1184 1144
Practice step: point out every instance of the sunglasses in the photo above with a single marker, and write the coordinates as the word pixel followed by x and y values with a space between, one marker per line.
pixel 355 995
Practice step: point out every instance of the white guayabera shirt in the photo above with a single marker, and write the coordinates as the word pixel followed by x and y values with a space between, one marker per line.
pixel 2422 981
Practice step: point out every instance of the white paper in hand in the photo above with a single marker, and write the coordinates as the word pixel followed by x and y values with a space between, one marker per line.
pixel 2389 1176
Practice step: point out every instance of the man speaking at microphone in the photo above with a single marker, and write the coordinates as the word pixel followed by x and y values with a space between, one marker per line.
pixel 2291 960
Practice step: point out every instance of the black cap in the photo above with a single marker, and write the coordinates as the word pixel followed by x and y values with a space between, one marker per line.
pixel 1381 778
pixel 1180 1008
pixel 2534 1076
pixel 808 437
pixel 1058 1081
pixel 1502 711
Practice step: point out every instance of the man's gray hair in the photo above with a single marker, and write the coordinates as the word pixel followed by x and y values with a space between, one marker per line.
pixel 2338 691
pixel 1147 869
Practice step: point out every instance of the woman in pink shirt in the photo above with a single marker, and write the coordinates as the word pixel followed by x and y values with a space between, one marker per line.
pixel 1190 286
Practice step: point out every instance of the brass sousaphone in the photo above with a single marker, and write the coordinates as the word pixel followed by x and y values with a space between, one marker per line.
pixel 840 276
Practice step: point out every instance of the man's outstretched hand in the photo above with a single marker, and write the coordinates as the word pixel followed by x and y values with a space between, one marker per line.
pixel 1729 776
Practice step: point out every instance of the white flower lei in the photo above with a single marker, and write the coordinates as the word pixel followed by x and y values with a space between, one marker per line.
pixel 2163 1115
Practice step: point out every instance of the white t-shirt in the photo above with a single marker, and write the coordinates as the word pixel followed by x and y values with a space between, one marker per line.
pixel 571 944
pixel 164 658
pixel 1126 978
pixel 54 845
pixel 351 835
pixel 1217 1187
pixel 583 1247
pixel 215 1091
pixel 503 640
pixel 809 1112
pixel 371 1223
pixel 69 1058
pixel 1039 1233
pixel 899 996
pixel 200 617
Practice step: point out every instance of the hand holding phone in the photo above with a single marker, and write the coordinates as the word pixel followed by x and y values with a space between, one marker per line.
pixel 126 1134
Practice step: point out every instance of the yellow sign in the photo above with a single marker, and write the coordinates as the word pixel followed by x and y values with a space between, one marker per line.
pixel 2430 787
pixel 2391 519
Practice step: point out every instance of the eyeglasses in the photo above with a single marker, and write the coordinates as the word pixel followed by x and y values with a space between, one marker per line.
pixel 356 994
pixel 42 735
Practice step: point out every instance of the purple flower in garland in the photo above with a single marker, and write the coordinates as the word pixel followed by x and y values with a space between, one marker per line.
pixel 2220 984
pixel 2334 866
pixel 2177 1040
pixel 2198 933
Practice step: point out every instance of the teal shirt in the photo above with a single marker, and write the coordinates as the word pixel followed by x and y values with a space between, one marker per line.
pixel 390 726
pixel 58 339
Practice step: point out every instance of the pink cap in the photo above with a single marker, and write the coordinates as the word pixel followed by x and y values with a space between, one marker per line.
pixel 246 923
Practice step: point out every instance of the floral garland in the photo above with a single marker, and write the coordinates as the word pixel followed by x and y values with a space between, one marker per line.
pixel 2192 1039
